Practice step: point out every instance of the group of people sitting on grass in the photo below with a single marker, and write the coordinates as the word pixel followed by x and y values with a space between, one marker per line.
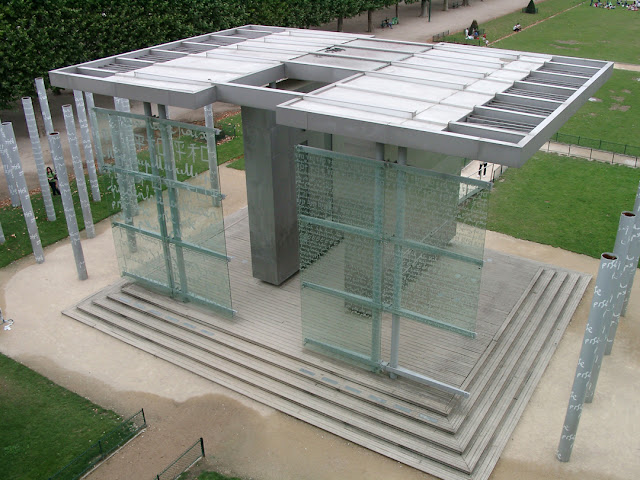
pixel 633 5
pixel 475 35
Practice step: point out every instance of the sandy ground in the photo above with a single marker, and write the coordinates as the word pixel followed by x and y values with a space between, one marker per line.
pixel 254 441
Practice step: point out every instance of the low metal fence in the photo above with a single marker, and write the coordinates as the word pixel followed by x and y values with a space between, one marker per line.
pixel 438 37
pixel 103 448
pixel 184 462
pixel 598 144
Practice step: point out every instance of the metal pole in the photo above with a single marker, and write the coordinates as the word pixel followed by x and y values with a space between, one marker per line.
pixel 397 252
pixel 2 239
pixel 128 148
pixel 122 181
pixel 202 446
pixel 27 209
pixel 44 105
pixel 95 130
pixel 81 184
pixel 8 172
pixel 170 170
pixel 213 154
pixel 617 297
pixel 157 188
pixel 599 315
pixel 67 202
pixel 634 254
pixel 86 143
pixel 628 232
pixel 36 147
pixel 378 225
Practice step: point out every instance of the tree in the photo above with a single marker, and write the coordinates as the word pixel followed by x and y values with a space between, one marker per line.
pixel 473 27
pixel 531 8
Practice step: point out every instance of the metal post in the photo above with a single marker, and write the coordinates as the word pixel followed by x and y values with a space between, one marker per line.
pixel 121 179
pixel 2 239
pixel 44 105
pixel 378 226
pixel 8 172
pixel 81 184
pixel 86 143
pixel 617 297
pixel 95 129
pixel 157 189
pixel 628 232
pixel 67 202
pixel 599 316
pixel 13 155
pixel 213 154
pixel 397 253
pixel 202 446
pixel 36 148
pixel 634 254
pixel 170 170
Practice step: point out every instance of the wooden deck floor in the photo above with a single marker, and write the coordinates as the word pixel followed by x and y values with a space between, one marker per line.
pixel 524 309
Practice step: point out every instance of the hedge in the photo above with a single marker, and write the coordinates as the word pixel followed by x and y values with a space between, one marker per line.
pixel 41 35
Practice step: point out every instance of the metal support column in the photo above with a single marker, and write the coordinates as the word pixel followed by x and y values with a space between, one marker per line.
pixel 157 189
pixel 169 166
pixel 94 129
pixel 44 105
pixel 8 172
pixel 376 284
pixel 67 202
pixel 13 155
pixel 212 152
pixel 599 317
pixel 38 158
pixel 397 268
pixel 81 183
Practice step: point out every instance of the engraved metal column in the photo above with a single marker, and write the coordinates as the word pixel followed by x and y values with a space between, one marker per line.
pixel 27 209
pixel 599 316
pixel 94 128
pixel 44 105
pixel 67 202
pixel 8 172
pixel 78 170
pixel 634 254
pixel 86 144
pixel 36 148
pixel 213 154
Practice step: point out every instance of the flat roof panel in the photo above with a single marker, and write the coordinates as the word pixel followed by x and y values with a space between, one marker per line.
pixel 337 61
pixel 444 64
pixel 389 45
pixel 389 56
pixel 388 84
pixel 443 114
pixel 436 77
pixel 466 99
pixel 488 86
pixel 370 98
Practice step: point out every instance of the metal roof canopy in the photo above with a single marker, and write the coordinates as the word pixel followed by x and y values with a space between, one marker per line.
pixel 489 104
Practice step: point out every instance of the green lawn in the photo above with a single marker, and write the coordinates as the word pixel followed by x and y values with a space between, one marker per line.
pixel 503 26
pixel 584 31
pixel 565 202
pixel 615 116
pixel 44 426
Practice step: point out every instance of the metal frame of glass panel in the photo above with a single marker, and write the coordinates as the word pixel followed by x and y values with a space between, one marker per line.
pixel 169 233
pixel 381 237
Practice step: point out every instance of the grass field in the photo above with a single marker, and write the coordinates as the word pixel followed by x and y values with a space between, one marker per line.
pixel 615 115
pixel 565 202
pixel 44 426
pixel 584 31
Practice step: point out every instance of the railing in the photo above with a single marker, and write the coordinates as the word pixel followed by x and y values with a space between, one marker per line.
pixel 440 36
pixel 185 461
pixel 624 149
pixel 103 448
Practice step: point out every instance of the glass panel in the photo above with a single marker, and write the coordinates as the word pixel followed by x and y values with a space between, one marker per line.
pixel 385 237
pixel 165 181
pixel 140 256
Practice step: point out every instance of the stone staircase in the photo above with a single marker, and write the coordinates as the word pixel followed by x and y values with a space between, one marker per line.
pixel 431 431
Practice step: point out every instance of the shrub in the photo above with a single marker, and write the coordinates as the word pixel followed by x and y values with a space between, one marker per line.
pixel 531 8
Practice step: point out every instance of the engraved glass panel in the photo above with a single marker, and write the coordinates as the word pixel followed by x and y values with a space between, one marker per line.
pixel 379 237
pixel 164 180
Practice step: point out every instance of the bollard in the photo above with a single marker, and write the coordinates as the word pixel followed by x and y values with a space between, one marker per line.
pixel 86 144
pixel 634 254
pixel 13 155
pixel 212 152
pixel 95 129
pixel 628 234
pixel 36 148
pixel 599 317
pixel 44 105
pixel 81 184
pixel 67 202
pixel 8 172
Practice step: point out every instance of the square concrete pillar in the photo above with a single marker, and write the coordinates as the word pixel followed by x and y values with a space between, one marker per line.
pixel 271 193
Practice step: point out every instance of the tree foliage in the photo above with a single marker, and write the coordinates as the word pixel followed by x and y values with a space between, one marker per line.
pixel 41 35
